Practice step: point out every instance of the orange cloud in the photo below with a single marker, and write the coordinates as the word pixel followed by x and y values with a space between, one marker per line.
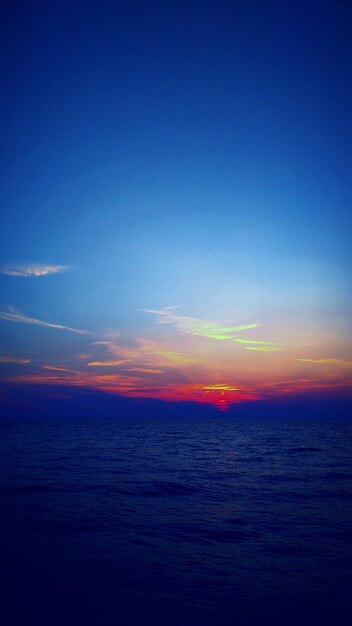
pixel 327 361
pixel 10 359
pixel 112 363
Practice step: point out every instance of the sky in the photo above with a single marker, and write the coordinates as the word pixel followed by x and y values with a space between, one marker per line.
pixel 176 200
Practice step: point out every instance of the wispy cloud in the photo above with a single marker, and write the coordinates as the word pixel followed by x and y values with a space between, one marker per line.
pixel 144 353
pixel 13 315
pixel 55 368
pixel 263 348
pixel 327 361
pixel 30 270
pixel 259 346
pixel 196 326
pixel 111 363
pixel 10 359
pixel 103 343
pixel 144 370
pixel 254 342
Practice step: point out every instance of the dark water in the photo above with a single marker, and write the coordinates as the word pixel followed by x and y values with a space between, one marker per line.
pixel 181 522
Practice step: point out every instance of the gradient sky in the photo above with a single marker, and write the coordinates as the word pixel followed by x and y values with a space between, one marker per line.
pixel 176 198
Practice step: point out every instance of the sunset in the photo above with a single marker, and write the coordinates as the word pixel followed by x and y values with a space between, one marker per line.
pixel 177 357
pixel 175 312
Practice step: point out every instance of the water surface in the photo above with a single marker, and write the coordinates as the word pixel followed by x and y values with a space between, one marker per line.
pixel 183 522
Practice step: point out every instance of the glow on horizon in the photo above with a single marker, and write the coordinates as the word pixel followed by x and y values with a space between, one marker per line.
pixel 188 366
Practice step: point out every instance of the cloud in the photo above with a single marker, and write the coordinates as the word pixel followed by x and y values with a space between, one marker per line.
pixel 254 342
pixel 219 387
pixel 13 315
pixel 10 359
pixel 144 370
pixel 144 353
pixel 112 363
pixel 56 369
pixel 198 327
pixel 261 346
pixel 103 343
pixel 30 270
pixel 293 386
pixel 328 361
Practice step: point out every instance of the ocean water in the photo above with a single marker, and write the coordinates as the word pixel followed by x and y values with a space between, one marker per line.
pixel 212 522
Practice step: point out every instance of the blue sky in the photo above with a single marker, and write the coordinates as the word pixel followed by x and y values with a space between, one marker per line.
pixel 190 154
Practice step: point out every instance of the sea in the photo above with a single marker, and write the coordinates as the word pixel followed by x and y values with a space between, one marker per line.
pixel 182 522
